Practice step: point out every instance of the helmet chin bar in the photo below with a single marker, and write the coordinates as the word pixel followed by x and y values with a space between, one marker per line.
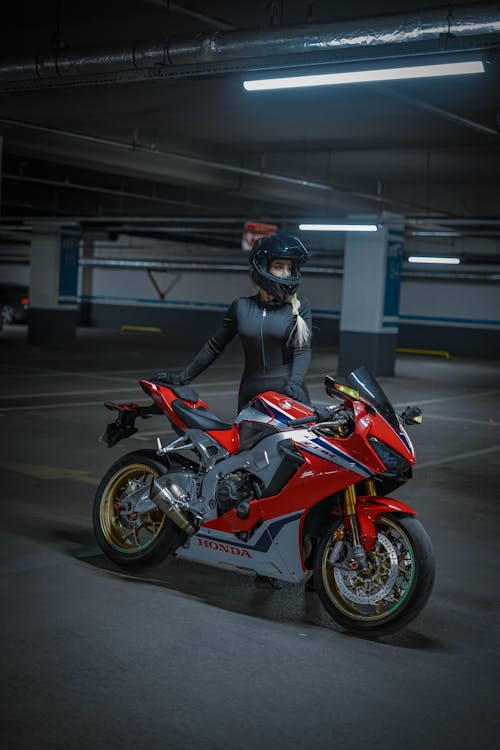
pixel 279 288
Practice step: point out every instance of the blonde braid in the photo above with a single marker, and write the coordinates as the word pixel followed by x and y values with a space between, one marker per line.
pixel 300 332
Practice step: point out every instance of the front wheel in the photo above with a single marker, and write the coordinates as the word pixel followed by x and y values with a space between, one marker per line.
pixel 128 538
pixel 395 585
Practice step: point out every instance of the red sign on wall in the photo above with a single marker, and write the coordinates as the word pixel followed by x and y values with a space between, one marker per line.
pixel 253 231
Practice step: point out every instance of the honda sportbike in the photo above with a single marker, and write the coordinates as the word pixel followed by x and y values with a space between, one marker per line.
pixel 288 491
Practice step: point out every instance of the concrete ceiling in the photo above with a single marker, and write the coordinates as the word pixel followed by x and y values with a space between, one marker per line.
pixel 104 144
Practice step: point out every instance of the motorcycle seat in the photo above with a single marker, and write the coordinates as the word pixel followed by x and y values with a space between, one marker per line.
pixel 185 392
pixel 198 418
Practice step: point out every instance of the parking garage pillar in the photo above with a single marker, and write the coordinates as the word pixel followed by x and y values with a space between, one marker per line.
pixel 370 297
pixel 1 151
pixel 87 250
pixel 53 287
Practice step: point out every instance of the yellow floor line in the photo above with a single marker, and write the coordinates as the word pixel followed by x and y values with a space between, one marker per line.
pixel 50 472
pixel 142 329
pixel 430 352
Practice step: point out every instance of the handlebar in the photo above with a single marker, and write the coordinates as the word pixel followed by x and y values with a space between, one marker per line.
pixel 302 420
pixel 319 415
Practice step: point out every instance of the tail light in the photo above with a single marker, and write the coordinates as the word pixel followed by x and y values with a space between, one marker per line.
pixel 24 301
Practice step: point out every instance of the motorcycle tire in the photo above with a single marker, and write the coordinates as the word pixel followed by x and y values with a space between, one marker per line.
pixel 133 543
pixel 391 591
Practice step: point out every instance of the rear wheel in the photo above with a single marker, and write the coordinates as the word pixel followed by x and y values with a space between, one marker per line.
pixel 129 539
pixel 391 591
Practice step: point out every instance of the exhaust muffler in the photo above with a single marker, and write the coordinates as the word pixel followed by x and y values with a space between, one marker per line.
pixel 170 500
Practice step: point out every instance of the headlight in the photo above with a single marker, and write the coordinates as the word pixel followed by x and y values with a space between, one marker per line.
pixel 392 461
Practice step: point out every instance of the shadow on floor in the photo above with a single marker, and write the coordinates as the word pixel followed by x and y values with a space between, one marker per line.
pixel 223 588
pixel 239 592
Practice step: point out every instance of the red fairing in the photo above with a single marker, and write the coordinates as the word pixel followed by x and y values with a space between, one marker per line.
pixel 373 425
pixel 368 508
pixel 229 439
pixel 163 396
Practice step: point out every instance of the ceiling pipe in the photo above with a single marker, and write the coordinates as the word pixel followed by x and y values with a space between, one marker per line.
pixel 189 266
pixel 198 161
pixel 111 222
pixel 240 45
pixel 173 266
pixel 456 222
pixel 67 184
pixel 221 166
pixel 194 267
pixel 443 113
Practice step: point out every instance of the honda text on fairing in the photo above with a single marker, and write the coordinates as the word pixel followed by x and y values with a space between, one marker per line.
pixel 285 490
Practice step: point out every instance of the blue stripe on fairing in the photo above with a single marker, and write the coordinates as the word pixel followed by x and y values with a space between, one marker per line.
pixel 265 540
pixel 364 474
pixel 340 454
pixel 321 442
pixel 405 440
pixel 284 418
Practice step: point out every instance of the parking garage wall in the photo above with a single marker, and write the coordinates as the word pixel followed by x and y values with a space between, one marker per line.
pixel 462 317
pixel 459 316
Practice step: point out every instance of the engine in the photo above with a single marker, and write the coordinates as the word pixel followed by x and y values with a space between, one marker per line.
pixel 236 489
pixel 184 482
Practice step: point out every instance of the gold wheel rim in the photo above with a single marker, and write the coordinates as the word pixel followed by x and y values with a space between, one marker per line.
pixel 398 566
pixel 135 538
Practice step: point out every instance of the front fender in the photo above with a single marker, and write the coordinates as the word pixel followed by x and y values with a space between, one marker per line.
pixel 368 508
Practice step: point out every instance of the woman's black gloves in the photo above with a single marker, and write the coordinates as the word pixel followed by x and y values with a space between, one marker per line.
pixel 295 391
pixel 172 378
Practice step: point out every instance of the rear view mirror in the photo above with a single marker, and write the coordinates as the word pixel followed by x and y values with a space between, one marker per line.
pixel 412 415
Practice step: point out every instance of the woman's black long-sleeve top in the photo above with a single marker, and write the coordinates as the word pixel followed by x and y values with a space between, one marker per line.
pixel 266 330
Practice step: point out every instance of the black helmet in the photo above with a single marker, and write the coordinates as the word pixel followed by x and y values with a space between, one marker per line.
pixel 272 247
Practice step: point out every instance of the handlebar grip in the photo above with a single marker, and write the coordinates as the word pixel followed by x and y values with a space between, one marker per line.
pixel 302 420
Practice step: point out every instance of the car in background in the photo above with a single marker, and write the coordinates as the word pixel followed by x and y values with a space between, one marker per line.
pixel 14 303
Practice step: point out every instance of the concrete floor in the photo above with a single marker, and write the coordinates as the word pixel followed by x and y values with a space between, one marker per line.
pixel 196 657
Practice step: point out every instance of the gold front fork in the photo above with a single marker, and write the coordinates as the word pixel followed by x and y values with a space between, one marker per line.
pixel 359 559
pixel 370 487
pixel 350 511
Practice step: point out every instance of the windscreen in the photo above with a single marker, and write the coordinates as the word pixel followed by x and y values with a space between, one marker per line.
pixel 370 390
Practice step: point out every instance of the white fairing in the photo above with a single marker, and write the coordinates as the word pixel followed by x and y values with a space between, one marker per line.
pixel 273 550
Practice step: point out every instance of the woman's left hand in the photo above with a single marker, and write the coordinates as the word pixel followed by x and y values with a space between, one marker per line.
pixel 295 391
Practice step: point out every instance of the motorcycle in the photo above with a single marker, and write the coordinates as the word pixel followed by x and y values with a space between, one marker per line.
pixel 287 490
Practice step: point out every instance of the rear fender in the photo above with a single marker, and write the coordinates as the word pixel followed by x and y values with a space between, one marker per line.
pixel 368 508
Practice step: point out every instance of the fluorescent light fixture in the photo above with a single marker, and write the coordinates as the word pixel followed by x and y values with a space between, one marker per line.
pixel 367 76
pixel 338 227
pixel 424 259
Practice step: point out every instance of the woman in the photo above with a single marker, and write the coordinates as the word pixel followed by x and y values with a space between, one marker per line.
pixel 274 326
